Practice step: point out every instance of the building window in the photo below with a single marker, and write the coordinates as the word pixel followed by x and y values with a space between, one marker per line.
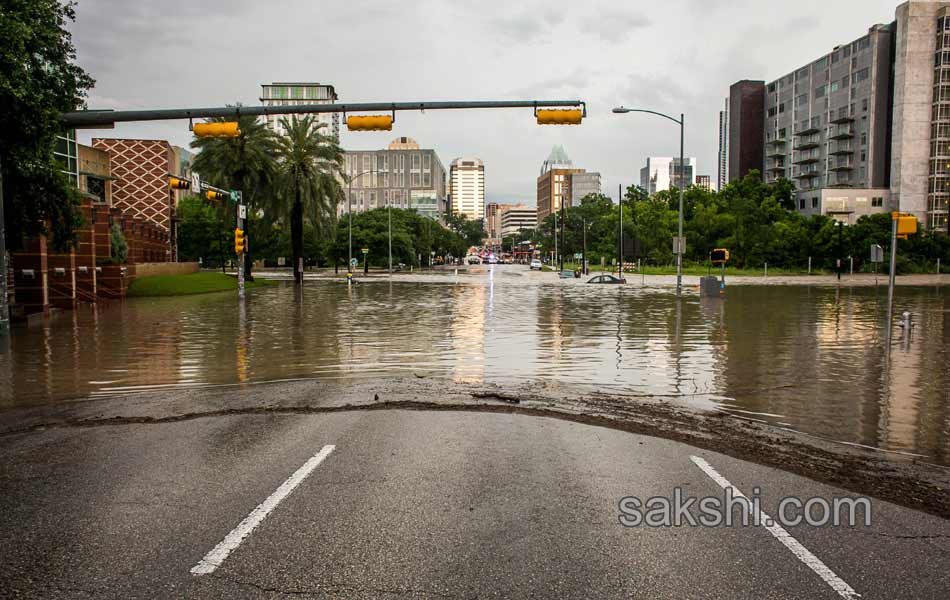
pixel 416 161
pixel 814 202
pixel 877 202
pixel 801 204
pixel 416 180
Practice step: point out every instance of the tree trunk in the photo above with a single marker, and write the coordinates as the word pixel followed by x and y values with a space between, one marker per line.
pixel 296 235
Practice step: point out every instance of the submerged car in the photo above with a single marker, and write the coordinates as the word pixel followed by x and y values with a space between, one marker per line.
pixel 607 280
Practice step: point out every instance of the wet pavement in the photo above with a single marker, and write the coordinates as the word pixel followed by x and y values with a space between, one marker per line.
pixel 419 504
pixel 810 358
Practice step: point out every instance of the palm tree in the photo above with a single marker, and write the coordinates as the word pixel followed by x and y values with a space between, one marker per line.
pixel 245 163
pixel 310 168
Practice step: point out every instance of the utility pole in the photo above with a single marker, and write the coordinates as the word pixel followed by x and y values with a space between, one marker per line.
pixel 4 308
pixel 563 238
pixel 679 243
pixel 840 227
pixel 554 262
pixel 241 217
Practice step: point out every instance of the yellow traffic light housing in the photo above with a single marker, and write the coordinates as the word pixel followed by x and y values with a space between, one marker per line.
pixel 370 123
pixel 719 256
pixel 240 242
pixel 179 184
pixel 570 116
pixel 213 195
pixel 906 225
pixel 217 129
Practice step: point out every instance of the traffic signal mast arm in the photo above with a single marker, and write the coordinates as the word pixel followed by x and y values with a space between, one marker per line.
pixel 100 118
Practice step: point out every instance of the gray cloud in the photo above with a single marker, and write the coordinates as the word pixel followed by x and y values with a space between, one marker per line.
pixel 676 56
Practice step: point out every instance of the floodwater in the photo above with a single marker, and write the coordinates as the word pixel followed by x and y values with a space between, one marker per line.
pixel 813 359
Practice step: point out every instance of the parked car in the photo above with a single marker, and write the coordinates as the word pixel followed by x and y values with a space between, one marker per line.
pixel 474 260
pixel 608 280
pixel 535 265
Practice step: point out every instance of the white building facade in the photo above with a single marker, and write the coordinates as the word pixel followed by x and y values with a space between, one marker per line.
pixel 295 94
pixel 467 176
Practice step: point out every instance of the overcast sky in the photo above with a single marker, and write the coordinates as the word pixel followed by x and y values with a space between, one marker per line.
pixel 671 56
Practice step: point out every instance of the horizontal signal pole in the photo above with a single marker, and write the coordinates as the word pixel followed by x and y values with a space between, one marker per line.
pixel 107 118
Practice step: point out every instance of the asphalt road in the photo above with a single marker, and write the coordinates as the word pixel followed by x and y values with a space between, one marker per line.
pixel 418 504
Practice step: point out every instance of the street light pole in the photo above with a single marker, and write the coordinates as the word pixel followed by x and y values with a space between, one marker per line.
pixel 679 242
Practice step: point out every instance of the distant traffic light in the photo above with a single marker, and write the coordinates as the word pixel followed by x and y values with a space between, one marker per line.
pixel 179 184
pixel 216 129
pixel 240 242
pixel 570 116
pixel 370 123
pixel 213 195
pixel 719 256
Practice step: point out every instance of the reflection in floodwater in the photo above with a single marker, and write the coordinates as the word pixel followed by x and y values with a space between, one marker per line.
pixel 813 359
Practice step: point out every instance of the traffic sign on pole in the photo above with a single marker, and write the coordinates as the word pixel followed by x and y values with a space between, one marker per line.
pixel 196 183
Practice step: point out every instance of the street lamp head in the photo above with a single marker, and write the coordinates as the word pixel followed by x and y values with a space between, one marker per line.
pixel 620 110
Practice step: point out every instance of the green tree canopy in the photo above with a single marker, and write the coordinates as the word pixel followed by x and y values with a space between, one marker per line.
pixel 38 82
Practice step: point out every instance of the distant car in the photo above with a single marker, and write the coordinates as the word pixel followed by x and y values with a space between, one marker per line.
pixel 607 280
pixel 474 260
pixel 535 264
pixel 492 260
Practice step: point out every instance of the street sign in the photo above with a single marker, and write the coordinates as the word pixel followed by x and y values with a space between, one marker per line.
pixel 235 196
pixel 365 250
pixel 242 209
pixel 679 245
pixel 719 256
pixel 354 262
pixel 877 253
pixel 578 255
pixel 196 183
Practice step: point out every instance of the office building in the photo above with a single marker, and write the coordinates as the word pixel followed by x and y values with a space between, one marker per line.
pixel 140 169
pixel 295 94
pixel 704 182
pixel 467 177
pixel 561 184
pixel 402 176
pixel 583 185
pixel 516 217
pixel 746 118
pixel 661 173
pixel 722 177
pixel 493 220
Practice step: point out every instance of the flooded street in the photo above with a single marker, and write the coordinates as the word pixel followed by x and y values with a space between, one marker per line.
pixel 809 358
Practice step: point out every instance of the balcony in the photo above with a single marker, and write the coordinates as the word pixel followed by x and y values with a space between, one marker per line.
pixel 841 134
pixel 808 175
pixel 841 152
pixel 807 145
pixel 805 160
pixel 810 130
pixel 843 167
pixel 775 153
pixel 776 142
pixel 776 169
pixel 842 119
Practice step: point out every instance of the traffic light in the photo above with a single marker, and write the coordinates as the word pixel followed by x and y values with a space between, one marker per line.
pixel 179 184
pixel 906 225
pixel 240 242
pixel 719 256
pixel 216 129
pixel 570 116
pixel 370 123
pixel 213 195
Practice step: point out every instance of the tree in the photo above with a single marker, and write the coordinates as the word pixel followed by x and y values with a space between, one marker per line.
pixel 245 163
pixel 310 170
pixel 118 247
pixel 38 82
pixel 472 231
pixel 202 231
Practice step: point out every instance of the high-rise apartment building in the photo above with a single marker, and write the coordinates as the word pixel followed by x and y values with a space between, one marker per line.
pixel 493 220
pixel 746 114
pixel 866 127
pixel 402 176
pixel 295 94
pixel 516 217
pixel 704 182
pixel 723 174
pixel 467 177
pixel 663 173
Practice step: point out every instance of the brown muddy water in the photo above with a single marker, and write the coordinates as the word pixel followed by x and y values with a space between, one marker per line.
pixel 813 359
